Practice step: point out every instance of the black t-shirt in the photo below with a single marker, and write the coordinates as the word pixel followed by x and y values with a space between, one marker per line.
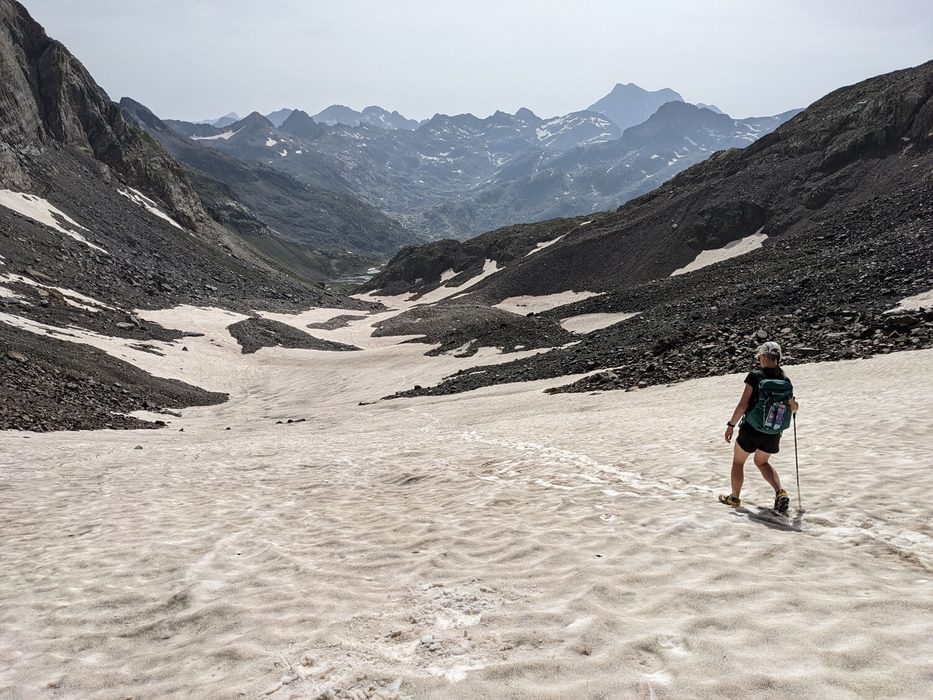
pixel 754 378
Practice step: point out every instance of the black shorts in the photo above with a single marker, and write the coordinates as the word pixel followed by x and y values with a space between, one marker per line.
pixel 751 440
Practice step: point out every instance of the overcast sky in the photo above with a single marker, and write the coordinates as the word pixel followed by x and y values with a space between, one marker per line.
pixel 195 59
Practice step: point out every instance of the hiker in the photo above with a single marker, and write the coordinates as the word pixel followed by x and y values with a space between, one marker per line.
pixel 764 414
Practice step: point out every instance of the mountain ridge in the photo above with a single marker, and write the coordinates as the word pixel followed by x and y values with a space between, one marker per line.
pixel 840 195
pixel 459 175
pixel 276 211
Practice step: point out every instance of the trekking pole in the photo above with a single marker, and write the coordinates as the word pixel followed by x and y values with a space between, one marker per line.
pixel 797 464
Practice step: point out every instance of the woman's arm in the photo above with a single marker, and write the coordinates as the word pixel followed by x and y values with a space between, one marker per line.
pixel 793 404
pixel 740 409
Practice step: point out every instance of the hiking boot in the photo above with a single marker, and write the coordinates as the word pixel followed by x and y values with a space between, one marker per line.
pixel 731 500
pixel 781 501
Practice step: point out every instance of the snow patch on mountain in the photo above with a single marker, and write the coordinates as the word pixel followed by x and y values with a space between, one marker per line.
pixel 38 209
pixel 587 323
pixel 732 249
pixel 536 304
pixel 149 205
pixel 71 297
pixel 924 300
pixel 546 244
pixel 225 136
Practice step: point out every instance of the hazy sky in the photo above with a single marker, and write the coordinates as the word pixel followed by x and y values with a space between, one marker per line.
pixel 196 59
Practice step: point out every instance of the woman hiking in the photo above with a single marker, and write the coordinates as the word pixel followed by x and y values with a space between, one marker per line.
pixel 765 409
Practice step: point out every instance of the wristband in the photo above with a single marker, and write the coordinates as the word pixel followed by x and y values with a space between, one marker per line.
pixel 731 425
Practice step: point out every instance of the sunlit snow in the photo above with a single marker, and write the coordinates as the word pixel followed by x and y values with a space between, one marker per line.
pixel 71 297
pixel 587 323
pixel 730 250
pixel 148 204
pixel 536 304
pixel 924 300
pixel 541 246
pixel 38 209
pixel 225 136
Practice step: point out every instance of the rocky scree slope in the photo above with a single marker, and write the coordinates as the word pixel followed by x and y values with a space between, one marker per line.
pixel 119 227
pixel 844 192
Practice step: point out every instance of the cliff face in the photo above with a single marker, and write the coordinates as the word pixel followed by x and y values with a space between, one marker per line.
pixel 93 208
pixel 48 97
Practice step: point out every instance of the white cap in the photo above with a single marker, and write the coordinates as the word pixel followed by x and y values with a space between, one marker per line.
pixel 770 349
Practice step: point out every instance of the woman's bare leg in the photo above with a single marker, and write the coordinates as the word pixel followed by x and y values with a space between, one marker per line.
pixel 739 457
pixel 767 471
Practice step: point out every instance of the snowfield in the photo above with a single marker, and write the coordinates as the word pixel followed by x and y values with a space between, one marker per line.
pixel 498 543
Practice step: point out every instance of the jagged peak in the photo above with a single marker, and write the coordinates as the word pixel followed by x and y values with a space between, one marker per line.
pixel 525 113
pixel 142 114
pixel 300 114
pixel 253 119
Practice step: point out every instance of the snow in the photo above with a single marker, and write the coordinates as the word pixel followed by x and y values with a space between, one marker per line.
pixel 730 250
pixel 499 538
pixel 407 301
pixel 38 209
pixel 490 267
pixel 536 304
pixel 283 152
pixel 71 297
pixel 270 142
pixel 225 136
pixel 587 323
pixel 541 246
pixel 6 293
pixel 923 300
pixel 148 204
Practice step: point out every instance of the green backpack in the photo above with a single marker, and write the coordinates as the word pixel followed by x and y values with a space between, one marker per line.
pixel 771 414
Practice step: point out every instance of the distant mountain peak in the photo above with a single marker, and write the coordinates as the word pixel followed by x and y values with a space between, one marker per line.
pixel 373 115
pixel 279 116
pixel 253 119
pixel 628 104
pixel 299 123
pixel 711 108
pixel 220 122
